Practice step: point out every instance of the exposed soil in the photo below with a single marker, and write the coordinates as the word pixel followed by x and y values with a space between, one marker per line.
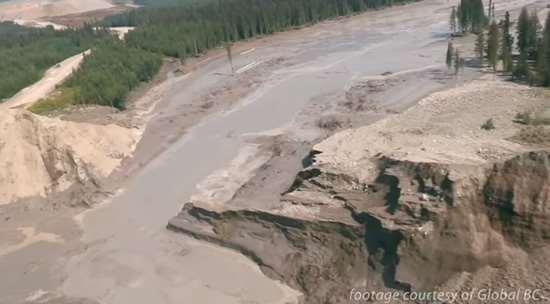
pixel 79 19
pixel 34 10
pixel 244 139
pixel 423 200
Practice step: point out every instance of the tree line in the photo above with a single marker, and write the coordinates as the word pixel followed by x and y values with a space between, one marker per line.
pixel 105 77
pixel 189 30
pixel 175 28
pixel 110 72
pixel 26 53
pixel 525 55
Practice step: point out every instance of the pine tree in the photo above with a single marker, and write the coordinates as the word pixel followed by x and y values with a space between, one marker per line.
pixel 543 61
pixel 450 55
pixel 471 15
pixel 508 39
pixel 452 21
pixel 458 62
pixel 507 44
pixel 480 47
pixel 521 70
pixel 522 30
pixel 527 31
pixel 489 9
pixel 228 47
pixel 493 39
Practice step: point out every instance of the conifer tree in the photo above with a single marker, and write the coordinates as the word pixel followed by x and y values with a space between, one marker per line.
pixel 527 33
pixel 471 15
pixel 493 39
pixel 522 30
pixel 480 47
pixel 450 55
pixel 452 21
pixel 458 62
pixel 543 61
pixel 521 70
pixel 507 44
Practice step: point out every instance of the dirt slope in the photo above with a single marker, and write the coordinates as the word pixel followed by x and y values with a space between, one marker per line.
pixel 40 155
pixel 424 200
pixel 35 9
pixel 53 76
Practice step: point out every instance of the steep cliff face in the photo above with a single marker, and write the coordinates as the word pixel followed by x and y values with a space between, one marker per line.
pixel 318 258
pixel 415 226
pixel 517 195
pixel 41 155
pixel 421 200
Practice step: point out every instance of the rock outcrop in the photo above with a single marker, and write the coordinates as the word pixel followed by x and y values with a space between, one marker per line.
pixel 424 200
pixel 415 226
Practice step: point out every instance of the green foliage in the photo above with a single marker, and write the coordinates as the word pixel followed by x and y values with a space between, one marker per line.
pixel 25 54
pixel 450 55
pixel 471 16
pixel 110 72
pixel 507 44
pixel 480 47
pixel 523 118
pixel 188 30
pixel 488 125
pixel 527 29
pixel 458 62
pixel 493 38
pixel 452 20
pixel 543 60
pixel 60 99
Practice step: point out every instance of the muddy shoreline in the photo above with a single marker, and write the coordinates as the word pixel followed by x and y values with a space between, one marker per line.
pixel 305 85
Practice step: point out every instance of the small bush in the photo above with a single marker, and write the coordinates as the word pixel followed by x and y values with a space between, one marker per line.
pixel 488 125
pixel 542 118
pixel 523 118
pixel 58 100
pixel 329 123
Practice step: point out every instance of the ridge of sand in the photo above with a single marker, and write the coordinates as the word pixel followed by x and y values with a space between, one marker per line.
pixel 39 155
pixel 40 89
pixel 35 9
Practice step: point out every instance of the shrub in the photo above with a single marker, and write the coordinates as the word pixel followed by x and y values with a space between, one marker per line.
pixel 488 125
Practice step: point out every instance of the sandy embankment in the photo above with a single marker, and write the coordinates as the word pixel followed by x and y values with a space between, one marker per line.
pixel 436 143
pixel 33 9
pixel 53 76
pixel 40 155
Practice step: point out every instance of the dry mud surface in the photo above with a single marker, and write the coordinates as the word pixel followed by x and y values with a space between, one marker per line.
pixel 235 146
pixel 36 9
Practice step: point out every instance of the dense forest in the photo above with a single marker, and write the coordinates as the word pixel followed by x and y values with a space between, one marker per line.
pixel 160 3
pixel 110 72
pixel 26 53
pixel 190 29
pixel 176 28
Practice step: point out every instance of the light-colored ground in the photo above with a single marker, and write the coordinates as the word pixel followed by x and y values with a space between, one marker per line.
pixel 36 9
pixel 121 31
pixel 125 254
pixel 443 128
pixel 39 24
pixel 40 155
pixel 52 78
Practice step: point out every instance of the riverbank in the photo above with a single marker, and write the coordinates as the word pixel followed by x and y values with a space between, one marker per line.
pixel 291 90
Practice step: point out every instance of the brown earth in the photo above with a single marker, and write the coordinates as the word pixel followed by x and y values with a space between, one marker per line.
pixel 424 200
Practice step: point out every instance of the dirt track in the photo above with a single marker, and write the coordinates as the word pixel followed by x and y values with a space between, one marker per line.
pixel 52 78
